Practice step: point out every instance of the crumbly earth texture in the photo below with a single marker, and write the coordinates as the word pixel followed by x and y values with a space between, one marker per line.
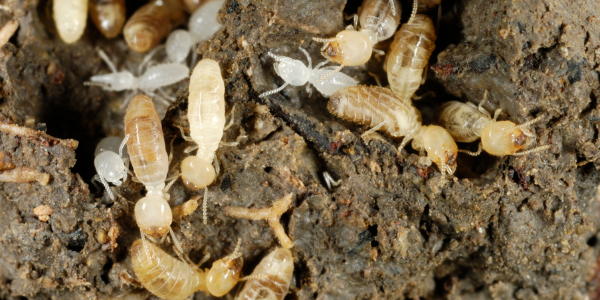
pixel 502 228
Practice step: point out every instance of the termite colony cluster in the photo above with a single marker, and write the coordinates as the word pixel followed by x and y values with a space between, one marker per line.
pixel 387 109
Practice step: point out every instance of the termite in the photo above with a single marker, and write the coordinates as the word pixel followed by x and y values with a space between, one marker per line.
pixel 192 5
pixel 70 17
pixel 295 73
pixel 202 25
pixel 382 109
pixel 271 279
pixel 353 47
pixel 467 123
pixel 148 155
pixel 151 23
pixel 108 15
pixel 110 166
pixel 170 278
pixel 206 115
pixel 425 5
pixel 409 54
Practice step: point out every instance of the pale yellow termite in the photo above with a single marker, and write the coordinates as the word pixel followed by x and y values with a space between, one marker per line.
pixel 271 279
pixel 467 123
pixel 353 47
pixel 382 109
pixel 151 23
pixel 148 155
pixel 70 17
pixel 170 278
pixel 409 55
pixel 108 15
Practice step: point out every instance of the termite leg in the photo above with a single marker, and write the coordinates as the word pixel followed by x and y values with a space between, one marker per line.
pixel 376 79
pixel 185 137
pixel 373 129
pixel 330 182
pixel 307 57
pixel 107 61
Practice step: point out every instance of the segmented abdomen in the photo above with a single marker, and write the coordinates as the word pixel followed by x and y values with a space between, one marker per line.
pixel 70 17
pixel 409 54
pixel 146 143
pixel 275 273
pixel 108 15
pixel 163 75
pixel 463 121
pixel 206 109
pixel 151 23
pixel 368 105
pixel 377 17
pixel 163 275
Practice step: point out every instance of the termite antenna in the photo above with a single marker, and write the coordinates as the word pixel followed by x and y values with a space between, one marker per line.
pixel 275 57
pixel 414 11
pixel 275 91
pixel 332 72
pixel 528 123
pixel 257 276
pixel 95 83
pixel 472 153
pixel 534 150
pixel 393 7
pixel 205 206
pixel 324 41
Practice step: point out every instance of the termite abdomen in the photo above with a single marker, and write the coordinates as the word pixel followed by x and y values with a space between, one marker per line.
pixel 151 23
pixel 108 15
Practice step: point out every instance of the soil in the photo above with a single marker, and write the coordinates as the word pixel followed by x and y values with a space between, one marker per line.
pixel 519 227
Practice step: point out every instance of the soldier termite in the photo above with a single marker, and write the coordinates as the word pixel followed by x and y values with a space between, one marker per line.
pixel 271 214
pixel 271 279
pixel 148 155
pixel 110 166
pixel 295 73
pixel 409 54
pixel 70 17
pixel 353 47
pixel 467 123
pixel 382 109
pixel 108 15
pixel 151 23
pixel 169 278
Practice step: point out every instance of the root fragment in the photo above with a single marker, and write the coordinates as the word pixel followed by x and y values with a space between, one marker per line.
pixel 24 174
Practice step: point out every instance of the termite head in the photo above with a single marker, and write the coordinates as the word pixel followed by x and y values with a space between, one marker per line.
pixel 153 215
pixel 224 274
pixel 440 147
pixel 120 81
pixel 197 173
pixel 110 166
pixel 294 72
pixel 504 138
pixel 349 48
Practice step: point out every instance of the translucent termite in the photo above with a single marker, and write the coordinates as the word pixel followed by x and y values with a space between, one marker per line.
pixel 382 109
pixel 467 123
pixel 409 54
pixel 110 166
pixel 70 17
pixel 295 73
pixel 202 25
pixel 170 278
pixel 271 279
pixel 154 78
pixel 108 15
pixel 148 155
pixel 151 23
pixel 353 47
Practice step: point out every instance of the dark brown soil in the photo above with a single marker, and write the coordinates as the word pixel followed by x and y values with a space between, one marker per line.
pixel 503 228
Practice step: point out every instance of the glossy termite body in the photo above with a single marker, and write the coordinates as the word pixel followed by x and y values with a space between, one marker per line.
pixel 467 123
pixel 352 46
pixel 111 162
pixel 108 16
pixel 271 279
pixel 151 23
pixel 70 17
pixel 409 54
pixel 382 109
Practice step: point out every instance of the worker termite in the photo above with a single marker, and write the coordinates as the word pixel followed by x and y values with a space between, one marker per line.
pixel 271 279
pixel 201 26
pixel 153 78
pixel 70 17
pixel 148 155
pixel 108 15
pixel 382 109
pixel 151 23
pixel 295 73
pixel 409 54
pixel 271 214
pixel 110 166
pixel 169 278
pixel 467 123
pixel 353 47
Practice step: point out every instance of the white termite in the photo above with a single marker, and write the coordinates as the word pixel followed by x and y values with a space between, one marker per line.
pixel 295 73
pixel 202 26
pixel 110 166
pixel 155 77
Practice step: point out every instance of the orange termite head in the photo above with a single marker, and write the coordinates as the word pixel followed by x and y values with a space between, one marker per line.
pixel 224 274
pixel 348 47
pixel 503 138
pixel 440 147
